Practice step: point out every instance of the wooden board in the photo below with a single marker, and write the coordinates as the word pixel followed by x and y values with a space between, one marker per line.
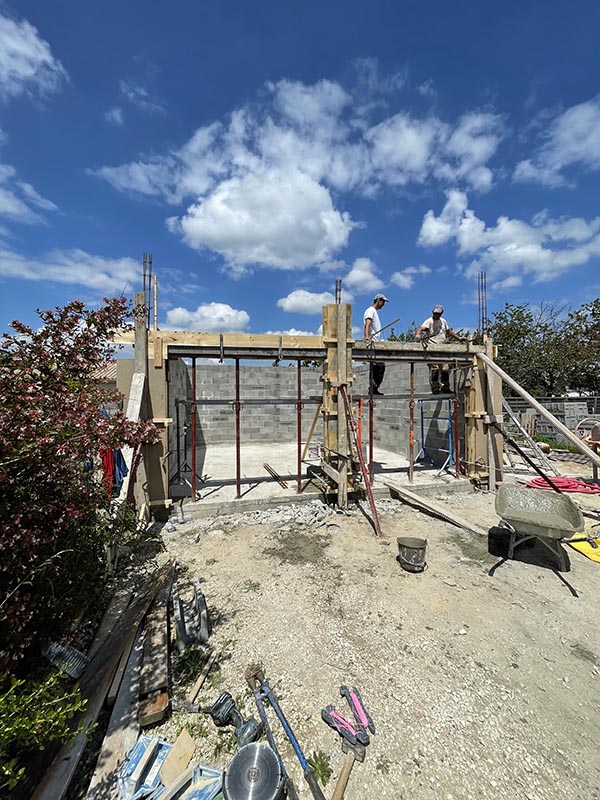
pixel 94 685
pixel 122 731
pixel 118 604
pixel 435 509
pixel 155 666
pixel 194 691
pixel 178 759
pixel 153 709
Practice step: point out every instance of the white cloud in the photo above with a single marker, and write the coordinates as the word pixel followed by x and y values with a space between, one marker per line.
pixel 74 267
pixel 572 139
pixel 401 148
pixel 208 317
pixel 292 332
pixel 259 186
pixel 438 230
pixel 405 278
pixel 362 277
pixel 26 61
pixel 19 201
pixel 312 107
pixel 302 302
pixel 139 96
pixel 115 116
pixel 279 219
pixel 513 248
pixel 472 143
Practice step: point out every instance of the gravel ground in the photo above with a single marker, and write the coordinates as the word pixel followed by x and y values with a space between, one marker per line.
pixel 480 686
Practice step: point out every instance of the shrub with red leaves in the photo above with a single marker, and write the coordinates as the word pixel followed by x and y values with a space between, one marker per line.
pixel 52 540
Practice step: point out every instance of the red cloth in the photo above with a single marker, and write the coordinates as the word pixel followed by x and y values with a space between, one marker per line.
pixel 108 465
pixel 565 485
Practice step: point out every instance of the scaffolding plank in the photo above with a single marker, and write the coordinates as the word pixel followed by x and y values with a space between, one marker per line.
pixel 429 507
pixel 94 685
pixel 155 667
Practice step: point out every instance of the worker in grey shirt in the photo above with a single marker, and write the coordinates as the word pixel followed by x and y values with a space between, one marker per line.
pixel 372 325
pixel 435 329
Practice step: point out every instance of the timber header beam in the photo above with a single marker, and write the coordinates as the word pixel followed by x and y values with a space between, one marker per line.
pixel 184 344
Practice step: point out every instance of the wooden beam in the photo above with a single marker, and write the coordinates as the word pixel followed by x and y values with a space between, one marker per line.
pixel 361 351
pixel 94 685
pixel 434 509
pixel 155 667
pixel 548 416
pixel 122 731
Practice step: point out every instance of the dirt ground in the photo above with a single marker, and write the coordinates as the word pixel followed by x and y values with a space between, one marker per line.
pixel 482 682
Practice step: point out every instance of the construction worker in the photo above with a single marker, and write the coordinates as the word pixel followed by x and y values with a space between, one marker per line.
pixel 435 330
pixel 372 325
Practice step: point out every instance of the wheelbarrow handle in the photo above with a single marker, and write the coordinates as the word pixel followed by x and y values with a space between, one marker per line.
pixel 589 539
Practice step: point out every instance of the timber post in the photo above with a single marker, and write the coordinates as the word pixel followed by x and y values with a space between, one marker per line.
pixel 337 371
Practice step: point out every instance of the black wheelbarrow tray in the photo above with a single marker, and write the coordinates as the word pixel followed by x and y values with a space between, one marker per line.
pixel 538 514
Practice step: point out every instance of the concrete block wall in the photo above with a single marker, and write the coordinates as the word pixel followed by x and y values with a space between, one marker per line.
pixel 277 423
pixel 391 417
pixel 568 412
pixel 258 423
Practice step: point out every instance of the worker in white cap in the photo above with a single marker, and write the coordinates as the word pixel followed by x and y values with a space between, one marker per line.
pixel 435 330
pixel 372 325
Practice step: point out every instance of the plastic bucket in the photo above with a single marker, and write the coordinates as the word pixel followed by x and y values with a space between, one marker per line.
pixel 411 553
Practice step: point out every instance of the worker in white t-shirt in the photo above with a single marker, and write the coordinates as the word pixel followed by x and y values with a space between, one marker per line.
pixel 372 326
pixel 435 330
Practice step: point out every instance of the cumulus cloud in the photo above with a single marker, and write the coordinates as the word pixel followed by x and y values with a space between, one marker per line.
pixel 208 317
pixel 363 278
pixel 26 61
pixel 310 144
pixel 572 139
pixel 301 301
pixel 73 267
pixel 405 278
pixel 512 249
pixel 291 332
pixel 279 219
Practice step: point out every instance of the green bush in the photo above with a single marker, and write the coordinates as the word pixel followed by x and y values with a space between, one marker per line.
pixel 33 714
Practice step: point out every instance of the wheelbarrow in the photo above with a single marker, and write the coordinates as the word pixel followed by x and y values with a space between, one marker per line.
pixel 547 516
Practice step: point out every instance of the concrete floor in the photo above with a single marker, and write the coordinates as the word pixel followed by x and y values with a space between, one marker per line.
pixel 216 483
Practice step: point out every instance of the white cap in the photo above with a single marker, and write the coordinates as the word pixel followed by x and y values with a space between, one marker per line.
pixel 438 310
pixel 380 297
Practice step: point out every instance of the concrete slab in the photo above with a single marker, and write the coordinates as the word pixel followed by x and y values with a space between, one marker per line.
pixel 216 484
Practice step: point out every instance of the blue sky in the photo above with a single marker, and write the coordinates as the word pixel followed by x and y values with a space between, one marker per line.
pixel 261 150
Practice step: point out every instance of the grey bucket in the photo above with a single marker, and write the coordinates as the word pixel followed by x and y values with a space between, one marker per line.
pixel 411 553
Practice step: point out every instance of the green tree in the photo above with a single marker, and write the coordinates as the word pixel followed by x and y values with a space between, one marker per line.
pixel 583 327
pixel 543 348
pixel 403 336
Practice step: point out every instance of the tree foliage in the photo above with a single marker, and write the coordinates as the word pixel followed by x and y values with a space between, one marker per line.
pixel 52 531
pixel 549 349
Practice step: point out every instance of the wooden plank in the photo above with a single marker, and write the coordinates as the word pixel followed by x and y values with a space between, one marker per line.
pixel 94 685
pixel 154 676
pixel 158 353
pixel 153 709
pixel 178 758
pixel 548 416
pixel 115 684
pixel 195 690
pixel 122 731
pixel 175 789
pixel 434 509
pixel 118 603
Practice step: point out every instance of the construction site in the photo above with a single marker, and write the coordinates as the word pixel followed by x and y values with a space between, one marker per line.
pixel 357 596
